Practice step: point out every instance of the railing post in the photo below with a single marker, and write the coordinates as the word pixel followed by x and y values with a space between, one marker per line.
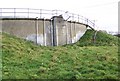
pixel 87 21
pixel 52 13
pixel 14 12
pixel 72 17
pixel 82 19
pixel 40 13
pixel 28 12
pixel 56 13
pixel 78 18
pixel 1 12
pixel 94 24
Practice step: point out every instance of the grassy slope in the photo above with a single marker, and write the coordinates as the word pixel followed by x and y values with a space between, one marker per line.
pixel 102 39
pixel 24 60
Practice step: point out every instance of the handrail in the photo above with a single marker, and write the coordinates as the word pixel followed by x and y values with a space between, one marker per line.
pixel 42 13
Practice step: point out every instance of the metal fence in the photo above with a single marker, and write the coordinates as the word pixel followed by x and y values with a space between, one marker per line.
pixel 43 13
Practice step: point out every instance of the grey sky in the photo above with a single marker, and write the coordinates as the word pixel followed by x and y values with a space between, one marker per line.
pixel 104 12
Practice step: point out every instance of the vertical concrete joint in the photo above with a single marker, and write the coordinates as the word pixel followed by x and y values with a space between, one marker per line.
pixel 44 32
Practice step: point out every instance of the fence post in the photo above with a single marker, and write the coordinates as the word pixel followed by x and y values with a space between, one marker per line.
pixel 82 19
pixel 78 18
pixel 94 24
pixel 52 13
pixel 40 13
pixel 28 12
pixel 1 12
pixel 73 17
pixel 56 12
pixel 87 21
pixel 14 12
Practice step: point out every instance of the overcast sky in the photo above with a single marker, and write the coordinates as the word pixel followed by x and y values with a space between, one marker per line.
pixel 104 12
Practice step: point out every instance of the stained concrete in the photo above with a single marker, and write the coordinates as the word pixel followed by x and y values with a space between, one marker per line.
pixel 56 31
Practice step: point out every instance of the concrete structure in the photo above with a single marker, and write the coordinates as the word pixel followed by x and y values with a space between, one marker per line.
pixel 46 32
pixel 119 17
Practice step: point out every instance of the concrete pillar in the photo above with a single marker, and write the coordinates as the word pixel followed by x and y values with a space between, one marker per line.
pixel 58 27
pixel 70 32
pixel 44 32
pixel 67 40
pixel 54 32
pixel 75 31
pixel 51 32
pixel 36 26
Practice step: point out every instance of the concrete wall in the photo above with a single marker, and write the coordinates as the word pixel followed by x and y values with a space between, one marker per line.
pixel 49 32
pixel 27 29
pixel 119 17
pixel 0 25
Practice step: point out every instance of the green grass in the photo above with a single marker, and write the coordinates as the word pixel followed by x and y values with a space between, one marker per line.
pixel 83 60
pixel 102 39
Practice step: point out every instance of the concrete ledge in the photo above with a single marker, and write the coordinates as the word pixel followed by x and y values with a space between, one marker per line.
pixel 23 19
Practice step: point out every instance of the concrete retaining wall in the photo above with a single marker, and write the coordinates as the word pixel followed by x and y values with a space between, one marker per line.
pixel 49 32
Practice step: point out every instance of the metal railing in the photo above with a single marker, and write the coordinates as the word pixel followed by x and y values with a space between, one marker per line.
pixel 43 13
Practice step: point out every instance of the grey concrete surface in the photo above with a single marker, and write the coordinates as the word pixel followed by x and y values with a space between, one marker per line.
pixel 50 32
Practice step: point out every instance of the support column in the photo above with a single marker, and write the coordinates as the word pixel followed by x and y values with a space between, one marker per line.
pixel 70 32
pixel 44 33
pixel 36 30
pixel 75 31
pixel 54 32
pixel 51 32
pixel 66 32
pixel 58 25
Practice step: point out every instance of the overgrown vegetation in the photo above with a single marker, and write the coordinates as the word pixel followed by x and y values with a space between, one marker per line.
pixel 83 60
pixel 101 39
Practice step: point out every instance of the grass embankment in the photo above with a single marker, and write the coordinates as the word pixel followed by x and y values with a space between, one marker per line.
pixel 82 60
